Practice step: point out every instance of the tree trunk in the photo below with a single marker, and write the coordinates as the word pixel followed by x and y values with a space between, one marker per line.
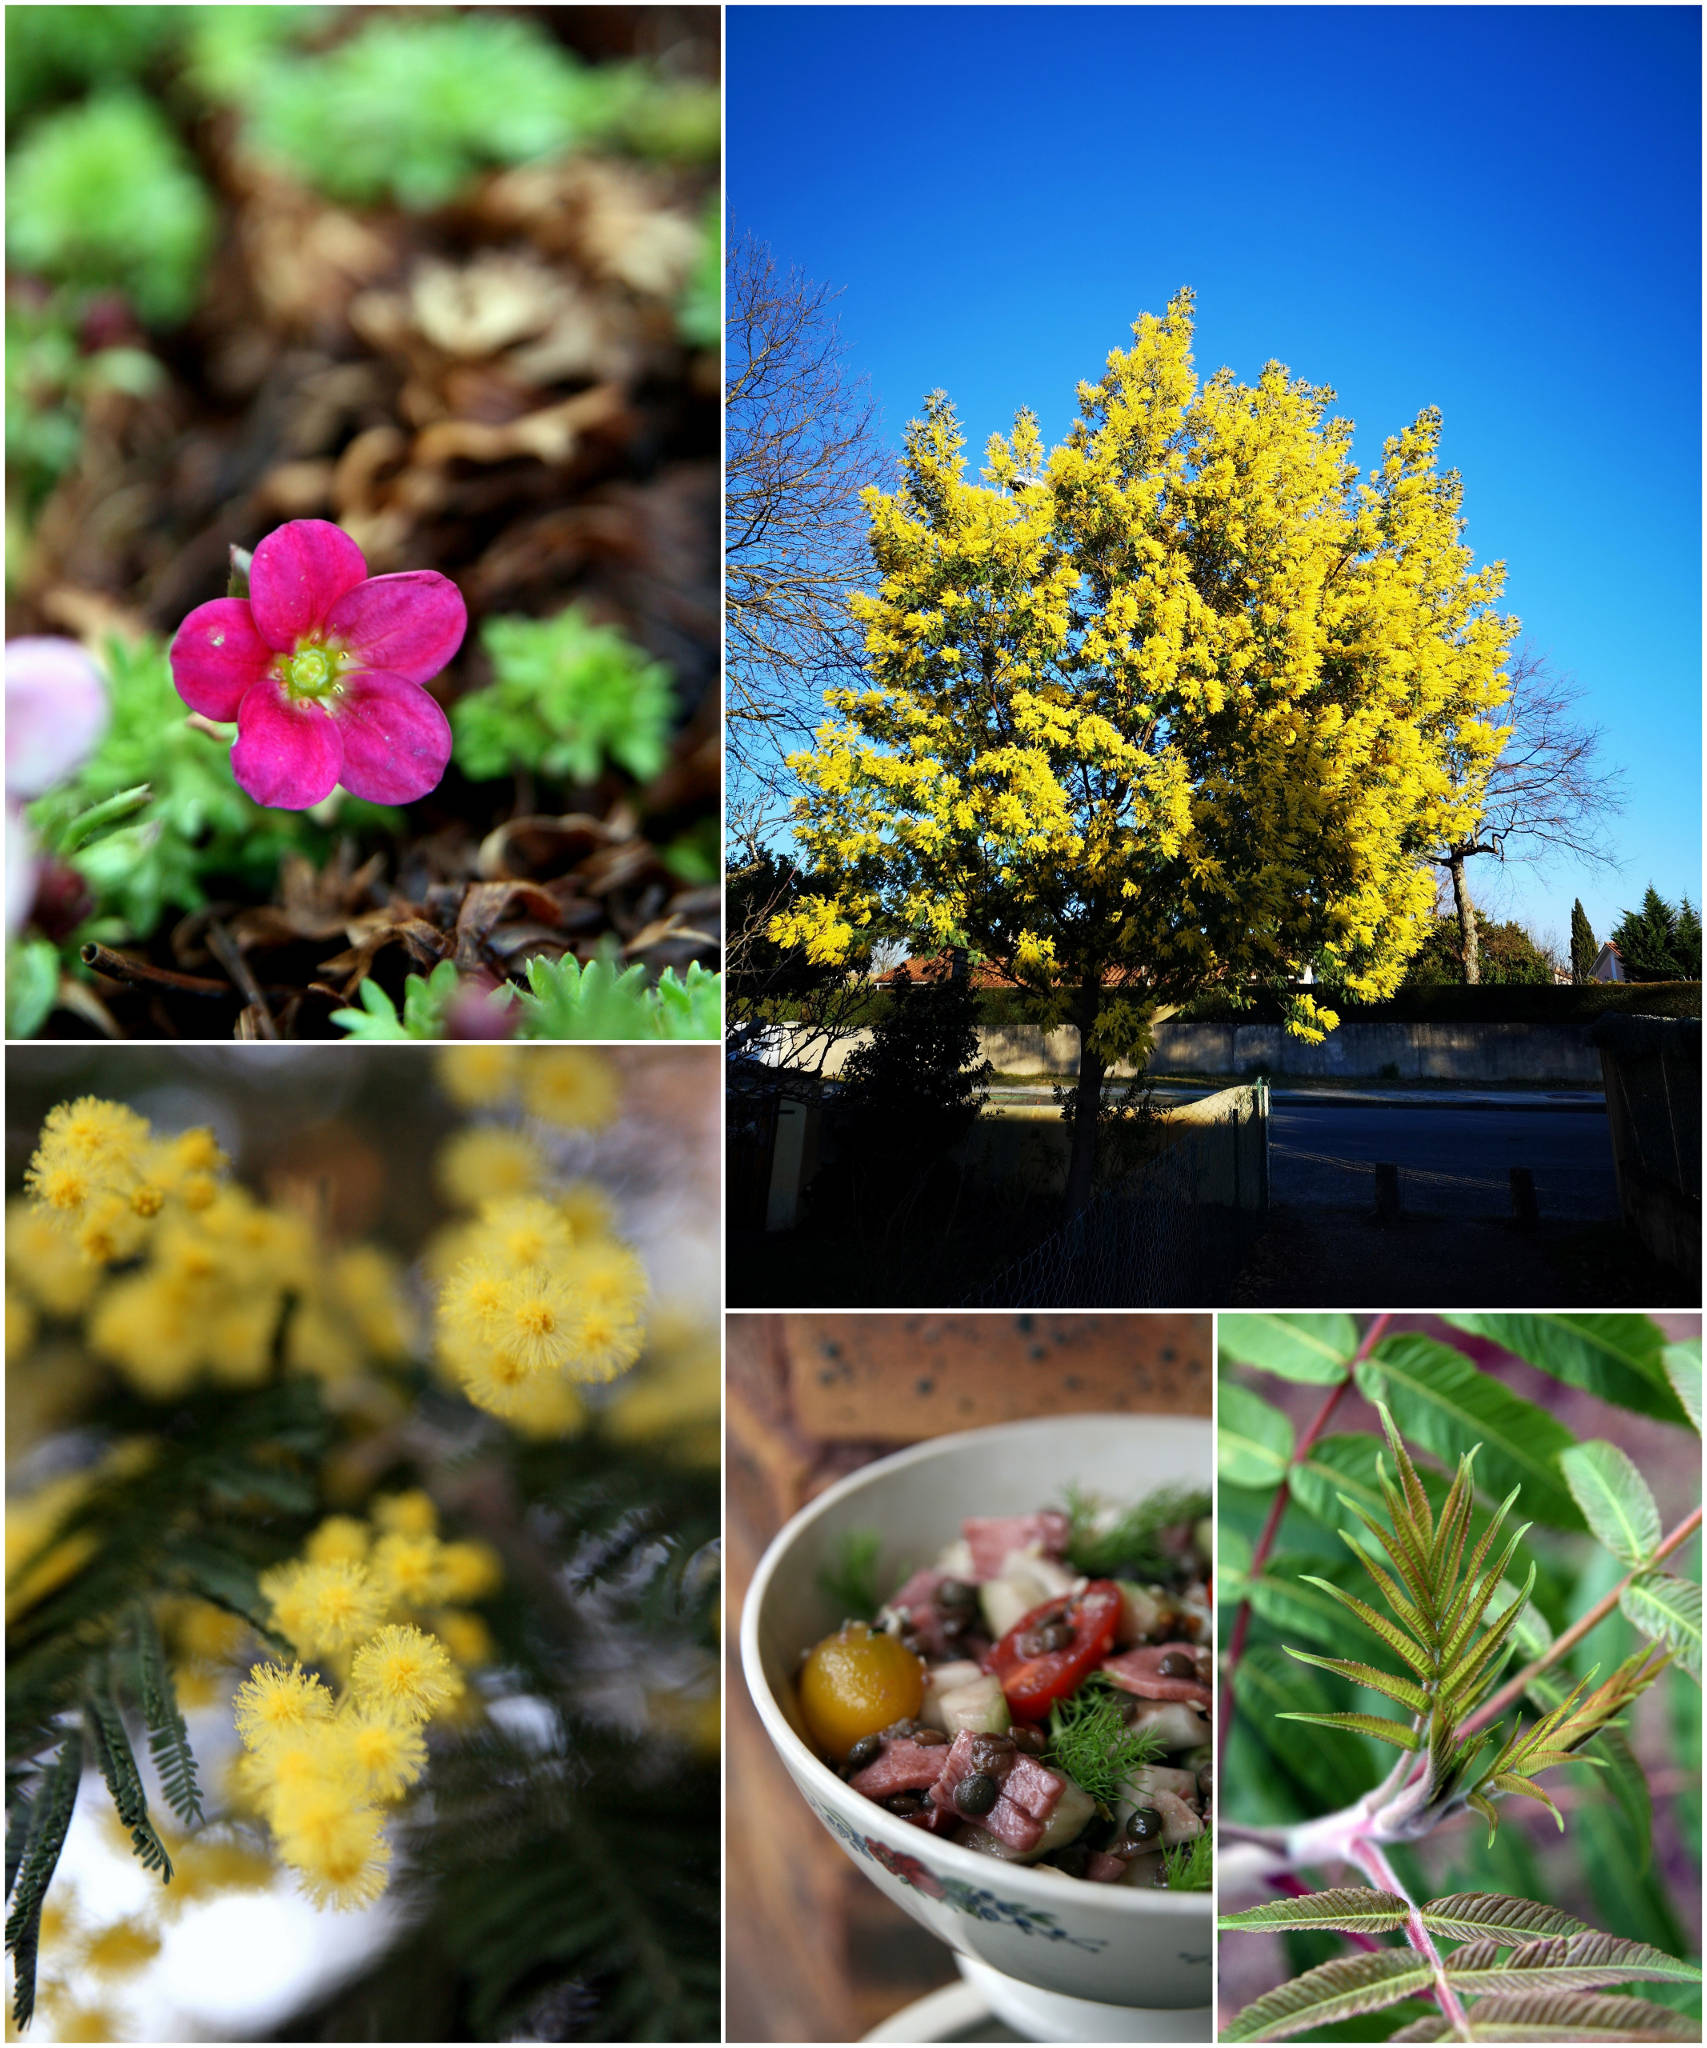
pixel 1082 1162
pixel 1466 920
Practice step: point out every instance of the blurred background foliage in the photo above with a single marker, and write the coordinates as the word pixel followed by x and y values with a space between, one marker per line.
pixel 450 277
pixel 556 1874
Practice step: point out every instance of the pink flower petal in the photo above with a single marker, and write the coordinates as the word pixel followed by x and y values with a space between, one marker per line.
pixel 408 625
pixel 287 755
pixel 396 739
pixel 56 709
pixel 299 573
pixel 217 657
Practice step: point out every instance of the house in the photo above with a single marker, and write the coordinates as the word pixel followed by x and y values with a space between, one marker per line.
pixel 1608 966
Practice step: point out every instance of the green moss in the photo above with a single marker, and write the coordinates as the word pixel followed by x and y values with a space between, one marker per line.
pixel 568 695
pixel 103 197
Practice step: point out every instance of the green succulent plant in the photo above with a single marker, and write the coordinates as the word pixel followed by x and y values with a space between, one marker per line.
pixel 568 695
pixel 103 197
pixel 563 1000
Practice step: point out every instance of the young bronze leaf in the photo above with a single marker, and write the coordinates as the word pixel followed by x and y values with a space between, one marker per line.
pixel 1565 1962
pixel 1470 1915
pixel 1349 1909
pixel 1331 1991
pixel 1400 1689
pixel 1395 1638
pixel 1394 1732
pixel 1564 2016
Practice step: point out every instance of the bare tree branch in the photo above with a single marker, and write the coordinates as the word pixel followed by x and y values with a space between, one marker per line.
pixel 801 434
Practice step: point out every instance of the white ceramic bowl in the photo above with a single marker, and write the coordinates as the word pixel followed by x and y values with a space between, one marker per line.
pixel 1104 1943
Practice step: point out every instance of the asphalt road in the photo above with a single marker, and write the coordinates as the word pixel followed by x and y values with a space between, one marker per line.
pixel 1450 1159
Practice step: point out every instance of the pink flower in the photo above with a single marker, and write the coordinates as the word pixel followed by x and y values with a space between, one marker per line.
pixel 56 709
pixel 322 667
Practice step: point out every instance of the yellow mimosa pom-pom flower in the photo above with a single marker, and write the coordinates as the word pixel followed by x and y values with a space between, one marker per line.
pixel 484 1163
pixel 569 1087
pixel 276 1697
pixel 405 1669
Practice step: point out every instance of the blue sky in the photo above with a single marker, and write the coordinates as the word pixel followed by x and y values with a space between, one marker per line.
pixel 1494 210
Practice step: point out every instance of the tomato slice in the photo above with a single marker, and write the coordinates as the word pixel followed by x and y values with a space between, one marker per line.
pixel 1032 1679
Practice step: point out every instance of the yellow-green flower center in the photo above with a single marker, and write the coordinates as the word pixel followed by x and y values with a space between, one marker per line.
pixel 311 672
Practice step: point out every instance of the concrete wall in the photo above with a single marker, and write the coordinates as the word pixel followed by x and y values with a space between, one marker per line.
pixel 1480 1054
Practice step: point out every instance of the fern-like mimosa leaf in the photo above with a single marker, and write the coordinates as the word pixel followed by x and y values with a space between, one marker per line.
pixel 117 1763
pixel 1333 1991
pixel 1346 1909
pixel 1394 1732
pixel 50 1818
pixel 1615 1499
pixel 168 1737
pixel 1668 1610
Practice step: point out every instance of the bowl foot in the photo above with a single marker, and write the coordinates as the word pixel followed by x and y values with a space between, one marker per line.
pixel 1039 2015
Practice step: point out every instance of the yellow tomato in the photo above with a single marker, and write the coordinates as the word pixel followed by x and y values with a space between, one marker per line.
pixel 855 1683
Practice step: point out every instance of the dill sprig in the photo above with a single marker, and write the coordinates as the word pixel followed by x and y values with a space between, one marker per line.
pixel 849 1579
pixel 1090 1740
pixel 1131 1547
pixel 1190 1866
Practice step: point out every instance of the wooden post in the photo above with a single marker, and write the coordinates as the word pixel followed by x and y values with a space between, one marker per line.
pixel 1525 1209
pixel 1386 1195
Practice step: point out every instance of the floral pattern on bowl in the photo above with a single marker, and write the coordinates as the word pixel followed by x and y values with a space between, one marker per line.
pixel 964 1898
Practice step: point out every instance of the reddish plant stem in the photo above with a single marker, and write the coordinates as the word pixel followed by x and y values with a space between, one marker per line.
pixel 1277 1509
pixel 1515 1688
pixel 1369 1859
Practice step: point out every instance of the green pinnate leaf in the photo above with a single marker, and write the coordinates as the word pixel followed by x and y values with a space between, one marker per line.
pixel 1318 1349
pixel 1334 1991
pixel 1620 1358
pixel 1615 1499
pixel 1346 1909
pixel 1398 1640
pixel 1683 1369
pixel 1253 1441
pixel 1667 1610
pixel 1445 1404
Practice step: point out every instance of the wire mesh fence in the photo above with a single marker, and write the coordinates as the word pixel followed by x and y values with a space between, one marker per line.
pixel 1170 1234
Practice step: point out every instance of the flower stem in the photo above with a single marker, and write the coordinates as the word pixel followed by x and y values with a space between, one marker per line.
pixel 1277 1509
pixel 1515 1688
pixel 1369 1859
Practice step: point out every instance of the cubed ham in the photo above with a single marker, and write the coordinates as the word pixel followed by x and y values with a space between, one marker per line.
pixel 1102 1869
pixel 994 1539
pixel 1140 1671
pixel 904 1766
pixel 917 1601
pixel 1029 1793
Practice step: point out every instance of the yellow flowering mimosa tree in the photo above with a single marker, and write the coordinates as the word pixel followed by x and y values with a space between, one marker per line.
pixel 1178 704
